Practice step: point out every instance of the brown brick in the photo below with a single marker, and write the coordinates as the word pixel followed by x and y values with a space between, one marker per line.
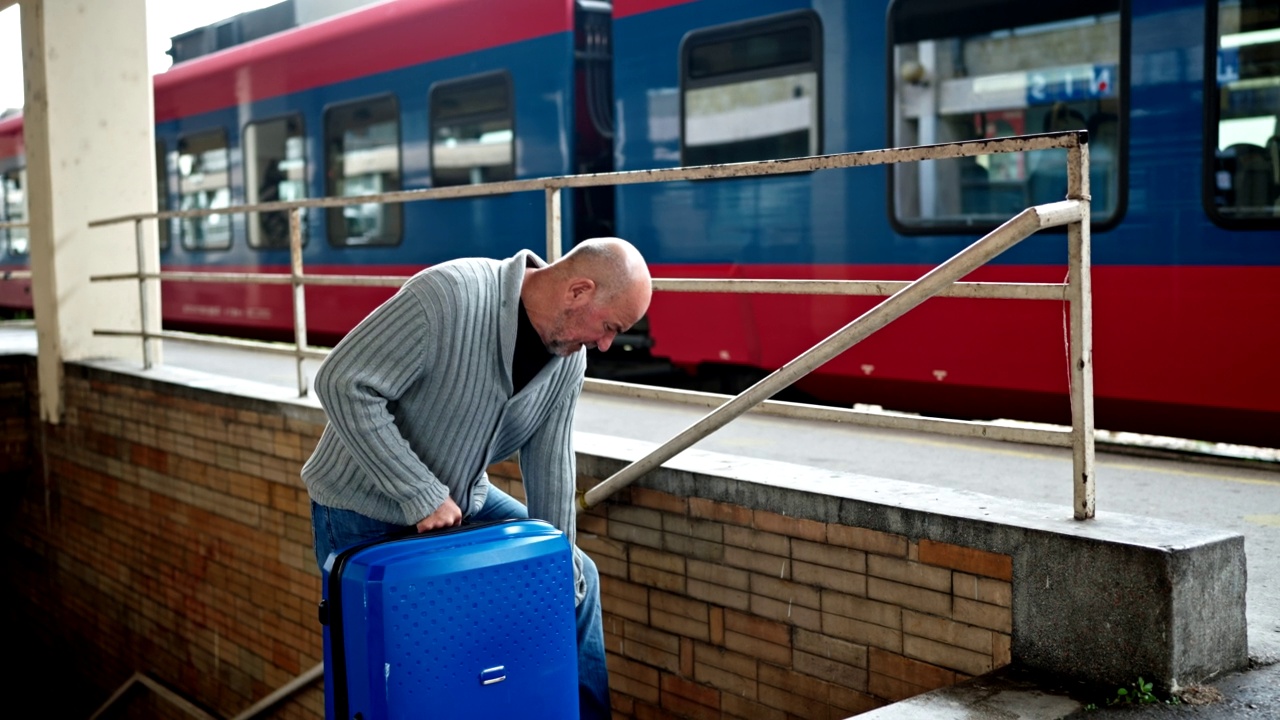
pixel 790 526
pixel 848 702
pixel 701 694
pixel 635 534
pixel 969 560
pixel 678 605
pixel 727 660
pixel 642 517
pixel 693 548
pixel 681 625
pixel 909 573
pixel 649 577
pixel 947 631
pixel 987 590
pixel 914 672
pixel 718 595
pixel 744 708
pixel 862 633
pixel 758 540
pixel 871 541
pixel 993 617
pixel 909 596
pixel 830 578
pixel 1001 653
pixel 831 556
pixel 762 563
pixel 843 651
pixel 667 503
pixel 707 530
pixel 721 512
pixel 892 689
pixel 632 678
pixel 719 574
pixel 830 670
pixel 757 648
pixel 885 614
pixel 799 688
pixel 716 622
pixel 651 656
pixel 947 656
pixel 637 632
pixel 786 591
pixel 786 612
pixel 759 627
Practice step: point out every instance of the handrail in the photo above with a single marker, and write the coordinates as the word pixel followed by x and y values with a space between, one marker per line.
pixel 942 281
pixel 961 264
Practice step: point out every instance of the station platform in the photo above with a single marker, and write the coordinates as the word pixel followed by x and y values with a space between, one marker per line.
pixel 1191 490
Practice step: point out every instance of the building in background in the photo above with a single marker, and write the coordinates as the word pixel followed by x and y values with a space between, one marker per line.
pixel 255 24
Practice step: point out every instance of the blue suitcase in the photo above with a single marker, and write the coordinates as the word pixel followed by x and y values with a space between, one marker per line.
pixel 470 622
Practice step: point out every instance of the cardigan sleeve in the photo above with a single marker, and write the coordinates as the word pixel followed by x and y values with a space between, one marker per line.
pixel 368 370
pixel 549 469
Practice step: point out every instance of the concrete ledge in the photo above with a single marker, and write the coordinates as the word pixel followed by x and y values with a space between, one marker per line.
pixel 1099 602
pixel 996 696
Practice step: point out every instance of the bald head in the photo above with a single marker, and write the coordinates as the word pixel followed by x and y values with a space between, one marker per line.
pixel 597 290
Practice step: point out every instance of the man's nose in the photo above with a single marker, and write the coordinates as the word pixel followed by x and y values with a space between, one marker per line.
pixel 603 343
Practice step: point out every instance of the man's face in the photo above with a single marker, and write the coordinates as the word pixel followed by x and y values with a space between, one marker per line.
pixel 591 325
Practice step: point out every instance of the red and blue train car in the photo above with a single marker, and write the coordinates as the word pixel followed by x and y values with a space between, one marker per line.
pixel 1181 98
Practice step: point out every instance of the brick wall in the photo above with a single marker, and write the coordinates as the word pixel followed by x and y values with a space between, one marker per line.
pixel 168 534
pixel 715 610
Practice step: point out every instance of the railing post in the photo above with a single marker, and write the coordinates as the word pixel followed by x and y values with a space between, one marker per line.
pixel 553 224
pixel 299 296
pixel 143 308
pixel 1080 294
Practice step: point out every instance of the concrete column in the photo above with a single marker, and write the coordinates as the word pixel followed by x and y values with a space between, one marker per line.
pixel 88 122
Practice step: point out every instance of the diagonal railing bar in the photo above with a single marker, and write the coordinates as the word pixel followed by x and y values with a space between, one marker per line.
pixel 966 261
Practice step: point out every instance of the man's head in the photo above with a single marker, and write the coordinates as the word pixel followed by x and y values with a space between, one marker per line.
pixel 584 299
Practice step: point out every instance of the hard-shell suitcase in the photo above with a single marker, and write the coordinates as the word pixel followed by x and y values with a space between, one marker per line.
pixel 470 622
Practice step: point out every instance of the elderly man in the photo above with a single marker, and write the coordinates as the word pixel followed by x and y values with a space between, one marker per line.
pixel 469 362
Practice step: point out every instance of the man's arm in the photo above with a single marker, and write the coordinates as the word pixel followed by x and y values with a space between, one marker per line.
pixel 372 366
pixel 549 469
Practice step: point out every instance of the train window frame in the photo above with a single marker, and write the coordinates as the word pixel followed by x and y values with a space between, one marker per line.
pixel 806 19
pixel 395 210
pixel 252 192
pixel 6 238
pixel 164 228
pixel 185 223
pixel 1211 172
pixel 974 14
pixel 463 83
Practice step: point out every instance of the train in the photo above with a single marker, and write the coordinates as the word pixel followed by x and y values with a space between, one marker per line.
pixel 1180 98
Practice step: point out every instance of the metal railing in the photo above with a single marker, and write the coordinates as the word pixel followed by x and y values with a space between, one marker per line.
pixel 943 281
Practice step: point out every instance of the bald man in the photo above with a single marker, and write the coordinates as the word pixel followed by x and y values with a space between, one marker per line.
pixel 471 361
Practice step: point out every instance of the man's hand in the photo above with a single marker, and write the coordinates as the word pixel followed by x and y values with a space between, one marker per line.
pixel 447 515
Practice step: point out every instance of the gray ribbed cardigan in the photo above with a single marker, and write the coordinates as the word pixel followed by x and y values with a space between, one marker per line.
pixel 418 398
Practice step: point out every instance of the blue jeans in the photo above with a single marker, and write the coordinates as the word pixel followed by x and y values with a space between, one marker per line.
pixel 334 529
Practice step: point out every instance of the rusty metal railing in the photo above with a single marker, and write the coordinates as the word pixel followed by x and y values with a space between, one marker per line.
pixel 943 281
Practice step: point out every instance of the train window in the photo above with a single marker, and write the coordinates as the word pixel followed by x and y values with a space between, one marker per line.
pixel 162 193
pixel 362 153
pixel 204 182
pixel 13 188
pixel 472 131
pixel 751 91
pixel 275 170
pixel 1244 136
pixel 995 68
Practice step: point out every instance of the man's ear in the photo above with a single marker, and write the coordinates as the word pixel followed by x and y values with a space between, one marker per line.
pixel 580 291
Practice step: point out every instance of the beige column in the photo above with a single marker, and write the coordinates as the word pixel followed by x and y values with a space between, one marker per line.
pixel 90 148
